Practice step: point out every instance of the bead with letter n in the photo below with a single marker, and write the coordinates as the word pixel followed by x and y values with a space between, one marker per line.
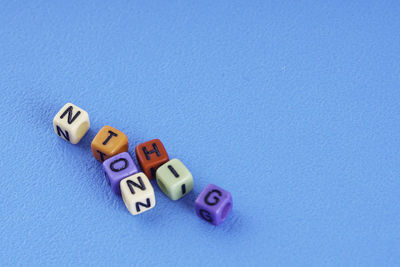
pixel 137 193
pixel 71 123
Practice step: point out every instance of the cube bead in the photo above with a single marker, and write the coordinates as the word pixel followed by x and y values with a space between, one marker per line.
pixel 213 204
pixel 151 155
pixel 117 168
pixel 109 142
pixel 137 193
pixel 71 123
pixel 174 179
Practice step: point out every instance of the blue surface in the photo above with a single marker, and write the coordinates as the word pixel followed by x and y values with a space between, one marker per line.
pixel 292 107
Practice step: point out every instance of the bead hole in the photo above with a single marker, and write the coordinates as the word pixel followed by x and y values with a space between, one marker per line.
pixel 226 210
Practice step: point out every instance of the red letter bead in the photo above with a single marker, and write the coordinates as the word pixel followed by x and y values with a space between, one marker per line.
pixel 151 155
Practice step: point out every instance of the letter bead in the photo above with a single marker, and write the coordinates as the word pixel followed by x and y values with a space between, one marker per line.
pixel 174 179
pixel 117 168
pixel 109 142
pixel 151 155
pixel 213 204
pixel 71 123
pixel 137 193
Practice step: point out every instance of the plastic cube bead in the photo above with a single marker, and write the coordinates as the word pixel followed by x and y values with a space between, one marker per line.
pixel 151 155
pixel 213 204
pixel 117 168
pixel 71 123
pixel 109 142
pixel 174 179
pixel 137 193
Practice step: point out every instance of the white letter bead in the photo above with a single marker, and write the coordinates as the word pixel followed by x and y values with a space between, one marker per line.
pixel 71 123
pixel 137 193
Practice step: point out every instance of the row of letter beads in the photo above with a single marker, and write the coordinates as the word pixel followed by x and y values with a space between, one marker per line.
pixel 110 147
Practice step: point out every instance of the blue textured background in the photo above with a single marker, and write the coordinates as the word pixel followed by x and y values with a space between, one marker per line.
pixel 293 107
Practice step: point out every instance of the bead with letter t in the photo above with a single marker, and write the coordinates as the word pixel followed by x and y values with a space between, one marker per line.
pixel 71 123
pixel 109 142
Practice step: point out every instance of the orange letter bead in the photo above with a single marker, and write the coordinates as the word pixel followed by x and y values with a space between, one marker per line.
pixel 109 142
pixel 150 156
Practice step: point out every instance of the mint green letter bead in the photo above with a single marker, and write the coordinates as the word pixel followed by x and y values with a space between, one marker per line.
pixel 174 179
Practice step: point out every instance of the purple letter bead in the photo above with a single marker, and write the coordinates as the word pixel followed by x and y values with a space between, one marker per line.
pixel 213 204
pixel 117 168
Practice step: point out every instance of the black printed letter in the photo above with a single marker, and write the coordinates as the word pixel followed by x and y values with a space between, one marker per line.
pixel 101 155
pixel 59 132
pixel 146 205
pixel 109 137
pixel 216 199
pixel 174 172
pixel 206 215
pixel 119 169
pixel 155 150
pixel 132 184
pixel 70 118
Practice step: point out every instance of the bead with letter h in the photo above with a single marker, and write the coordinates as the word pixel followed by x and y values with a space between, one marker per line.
pixel 151 155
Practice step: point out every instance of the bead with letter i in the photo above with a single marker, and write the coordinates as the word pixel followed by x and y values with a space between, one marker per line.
pixel 174 179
